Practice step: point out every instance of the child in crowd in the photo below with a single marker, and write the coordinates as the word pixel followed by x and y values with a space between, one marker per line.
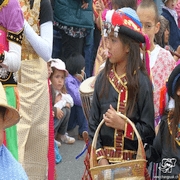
pixel 101 55
pixel 169 12
pixel 75 65
pixel 162 37
pixel 122 86
pixel 166 145
pixel 62 102
pixel 161 61
pixel 10 168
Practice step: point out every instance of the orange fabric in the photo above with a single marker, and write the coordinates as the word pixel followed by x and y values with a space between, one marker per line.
pixel 162 100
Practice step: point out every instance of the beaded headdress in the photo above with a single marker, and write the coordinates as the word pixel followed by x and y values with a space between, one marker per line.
pixel 126 21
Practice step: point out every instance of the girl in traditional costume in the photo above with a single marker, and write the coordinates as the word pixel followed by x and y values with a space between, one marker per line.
pixel 33 129
pixel 166 145
pixel 11 33
pixel 122 86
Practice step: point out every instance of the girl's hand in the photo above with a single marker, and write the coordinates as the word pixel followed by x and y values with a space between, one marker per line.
pixel 58 97
pixel 59 114
pixel 113 120
pixel 103 162
pixel 99 5
pixel 84 5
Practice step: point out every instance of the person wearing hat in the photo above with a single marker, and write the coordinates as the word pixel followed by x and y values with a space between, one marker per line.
pixel 166 146
pixel 122 86
pixel 61 101
pixel 10 168
pixel 11 35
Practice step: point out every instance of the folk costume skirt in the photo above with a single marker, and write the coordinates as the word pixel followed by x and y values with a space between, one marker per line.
pixel 33 128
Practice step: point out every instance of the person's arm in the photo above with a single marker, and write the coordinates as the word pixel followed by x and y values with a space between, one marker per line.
pixel 73 90
pixel 69 99
pixel 12 58
pixel 145 105
pixel 153 152
pixel 42 43
pixel 13 22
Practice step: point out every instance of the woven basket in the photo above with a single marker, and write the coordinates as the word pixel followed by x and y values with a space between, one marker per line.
pixel 126 170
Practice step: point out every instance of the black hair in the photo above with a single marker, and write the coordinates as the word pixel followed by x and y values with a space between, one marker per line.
pixel 175 114
pixel 118 4
pixel 75 63
pixel 134 64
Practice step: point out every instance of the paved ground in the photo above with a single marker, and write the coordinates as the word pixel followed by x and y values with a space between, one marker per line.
pixel 71 168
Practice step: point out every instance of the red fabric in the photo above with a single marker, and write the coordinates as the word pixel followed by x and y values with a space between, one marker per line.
pixel 162 100
pixel 4 140
pixel 51 155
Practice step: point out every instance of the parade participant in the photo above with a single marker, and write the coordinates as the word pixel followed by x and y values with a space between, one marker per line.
pixel 11 33
pixel 122 86
pixel 161 62
pixel 33 88
pixel 166 145
pixel 10 168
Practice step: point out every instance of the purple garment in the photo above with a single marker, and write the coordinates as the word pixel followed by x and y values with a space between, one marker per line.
pixel 12 16
pixel 72 86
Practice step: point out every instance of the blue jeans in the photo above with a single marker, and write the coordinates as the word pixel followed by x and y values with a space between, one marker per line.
pixel 77 118
pixel 57 44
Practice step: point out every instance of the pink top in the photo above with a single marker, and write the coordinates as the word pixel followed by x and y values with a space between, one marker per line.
pixel 161 70
pixel 11 16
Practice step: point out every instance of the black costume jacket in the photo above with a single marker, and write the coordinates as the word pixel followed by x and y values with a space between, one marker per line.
pixel 163 152
pixel 143 116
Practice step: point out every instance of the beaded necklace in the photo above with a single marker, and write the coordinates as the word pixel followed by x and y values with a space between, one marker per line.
pixel 177 138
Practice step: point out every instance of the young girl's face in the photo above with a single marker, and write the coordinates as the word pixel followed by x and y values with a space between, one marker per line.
pixel 171 4
pixel 57 79
pixel 117 51
pixel 149 25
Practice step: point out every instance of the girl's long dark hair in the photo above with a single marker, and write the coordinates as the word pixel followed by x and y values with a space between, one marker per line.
pixel 174 115
pixel 134 64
